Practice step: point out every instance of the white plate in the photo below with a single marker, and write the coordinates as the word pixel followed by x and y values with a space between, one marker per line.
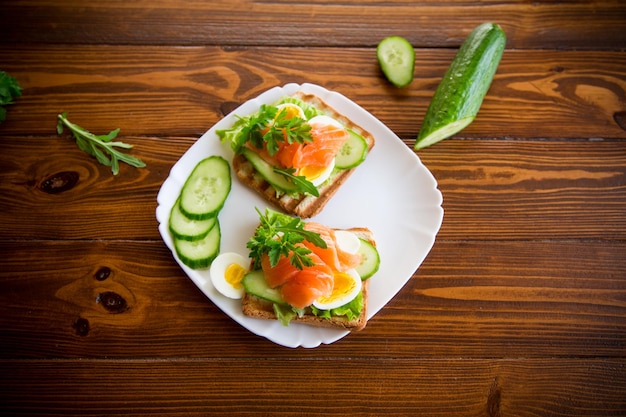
pixel 392 193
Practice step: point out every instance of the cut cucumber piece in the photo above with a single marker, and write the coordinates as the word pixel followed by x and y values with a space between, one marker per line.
pixel 352 153
pixel 206 189
pixel 199 254
pixel 255 284
pixel 396 57
pixel 182 227
pixel 460 93
pixel 278 181
pixel 370 260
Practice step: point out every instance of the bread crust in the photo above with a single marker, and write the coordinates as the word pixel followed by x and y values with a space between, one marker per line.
pixel 255 307
pixel 304 206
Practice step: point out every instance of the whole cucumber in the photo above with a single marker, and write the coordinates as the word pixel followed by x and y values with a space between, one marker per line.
pixel 460 93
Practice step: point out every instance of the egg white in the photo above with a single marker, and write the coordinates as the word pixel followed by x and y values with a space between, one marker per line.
pixel 335 301
pixel 347 241
pixel 324 175
pixel 217 273
pixel 325 120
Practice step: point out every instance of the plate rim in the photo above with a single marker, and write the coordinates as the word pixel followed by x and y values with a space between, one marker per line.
pixel 183 166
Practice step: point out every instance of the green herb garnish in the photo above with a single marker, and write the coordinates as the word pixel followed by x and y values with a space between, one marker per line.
pixel 99 145
pixel 285 129
pixel 266 129
pixel 299 180
pixel 279 235
pixel 9 89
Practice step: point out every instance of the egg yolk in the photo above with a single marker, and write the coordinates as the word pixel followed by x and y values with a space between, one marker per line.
pixel 291 111
pixel 344 285
pixel 233 275
pixel 311 172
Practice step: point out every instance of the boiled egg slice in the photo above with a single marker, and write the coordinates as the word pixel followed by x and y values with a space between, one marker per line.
pixel 347 285
pixel 226 273
pixel 317 175
pixel 293 110
pixel 325 120
pixel 347 241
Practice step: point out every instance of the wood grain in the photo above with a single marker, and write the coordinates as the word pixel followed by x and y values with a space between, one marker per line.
pixel 476 299
pixel 565 190
pixel 543 24
pixel 519 309
pixel 173 91
pixel 392 387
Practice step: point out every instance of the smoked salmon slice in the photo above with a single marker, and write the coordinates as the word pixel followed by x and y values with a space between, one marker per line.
pixel 299 287
pixel 332 255
pixel 278 274
pixel 308 285
pixel 327 141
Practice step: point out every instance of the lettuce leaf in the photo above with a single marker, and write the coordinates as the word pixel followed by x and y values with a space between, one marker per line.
pixel 351 311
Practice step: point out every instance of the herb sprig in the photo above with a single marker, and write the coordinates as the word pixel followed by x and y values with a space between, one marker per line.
pixel 280 235
pixel 10 88
pixel 99 145
pixel 285 129
pixel 299 180
pixel 267 129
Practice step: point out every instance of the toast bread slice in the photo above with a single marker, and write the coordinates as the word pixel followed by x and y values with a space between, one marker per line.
pixel 256 307
pixel 304 206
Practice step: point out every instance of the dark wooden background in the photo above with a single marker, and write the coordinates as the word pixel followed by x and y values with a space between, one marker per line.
pixel 519 309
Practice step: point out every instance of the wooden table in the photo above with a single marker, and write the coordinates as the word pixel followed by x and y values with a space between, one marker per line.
pixel 519 309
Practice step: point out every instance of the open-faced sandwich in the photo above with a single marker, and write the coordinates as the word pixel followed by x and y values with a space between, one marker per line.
pixel 297 152
pixel 302 272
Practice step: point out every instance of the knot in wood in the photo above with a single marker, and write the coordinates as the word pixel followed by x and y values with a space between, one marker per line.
pixel 59 182
pixel 112 302
pixel 102 273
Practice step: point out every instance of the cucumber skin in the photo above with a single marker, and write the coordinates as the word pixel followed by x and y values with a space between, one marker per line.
pixel 464 85
pixel 352 161
pixel 204 261
pixel 264 169
pixel 368 248
pixel 194 215
pixel 255 284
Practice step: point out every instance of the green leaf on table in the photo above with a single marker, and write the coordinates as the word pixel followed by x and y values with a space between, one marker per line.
pixel 10 88
pixel 100 146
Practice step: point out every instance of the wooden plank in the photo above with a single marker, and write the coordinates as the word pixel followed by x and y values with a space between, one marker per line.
pixel 173 91
pixel 525 190
pixel 564 190
pixel 129 299
pixel 580 25
pixel 303 386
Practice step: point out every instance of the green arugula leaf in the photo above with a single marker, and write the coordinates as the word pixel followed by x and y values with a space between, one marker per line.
pixel 99 146
pixel 10 88
pixel 266 129
pixel 279 235
pixel 299 180
pixel 286 129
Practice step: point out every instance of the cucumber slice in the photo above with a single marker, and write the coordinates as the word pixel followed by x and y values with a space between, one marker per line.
pixel 255 284
pixel 371 260
pixel 352 153
pixel 206 189
pixel 460 93
pixel 182 227
pixel 396 57
pixel 199 254
pixel 279 181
